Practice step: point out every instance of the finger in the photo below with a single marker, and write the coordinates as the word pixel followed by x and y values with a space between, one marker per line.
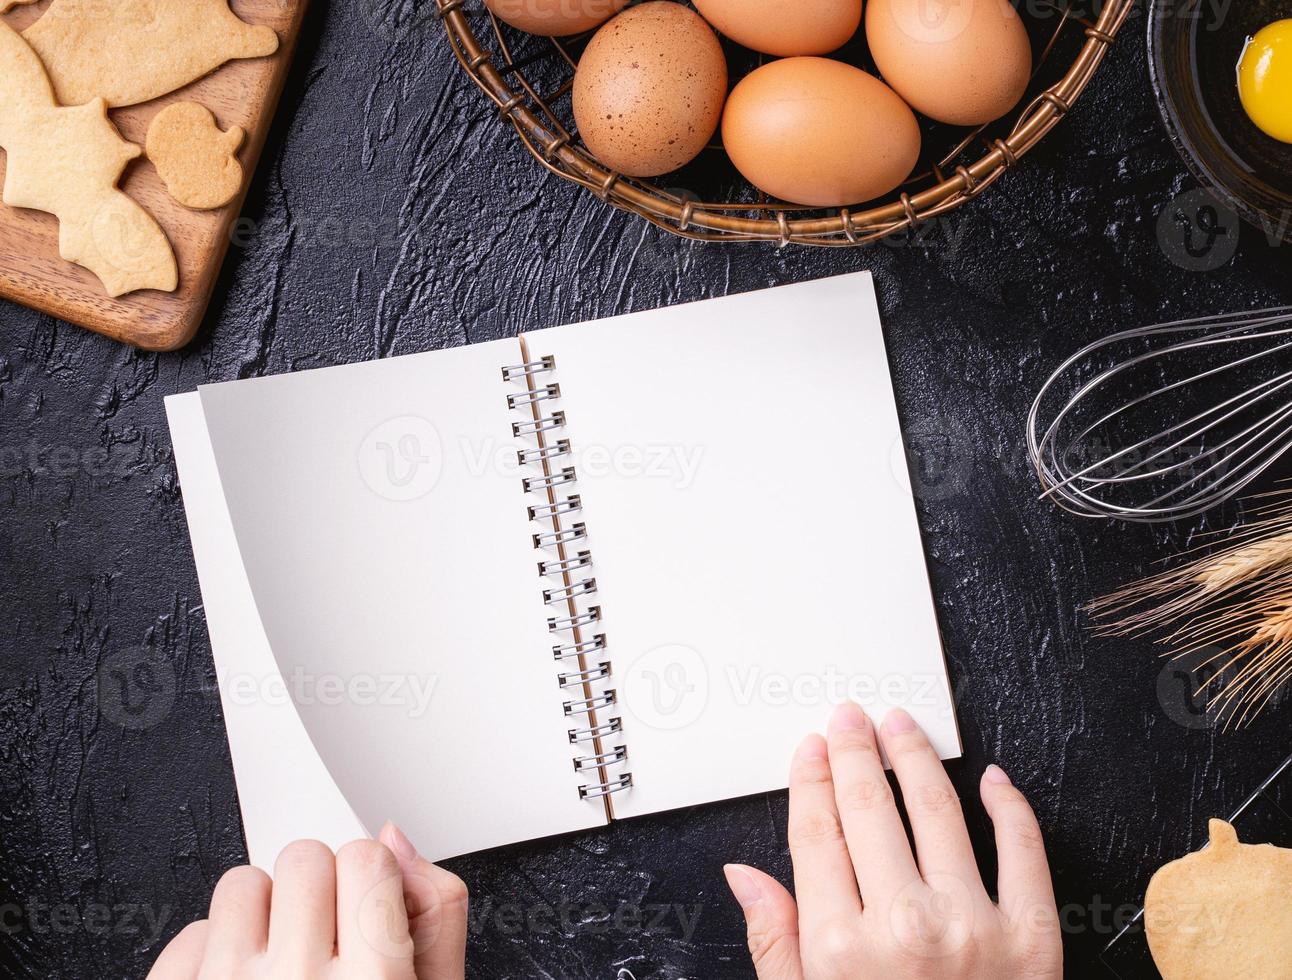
pixel 302 917
pixel 239 921
pixel 824 883
pixel 941 838
pixel 1024 885
pixel 436 901
pixel 872 827
pixel 771 920
pixel 182 957
pixel 371 921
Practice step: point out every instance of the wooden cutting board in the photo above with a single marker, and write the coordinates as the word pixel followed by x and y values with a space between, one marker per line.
pixel 242 93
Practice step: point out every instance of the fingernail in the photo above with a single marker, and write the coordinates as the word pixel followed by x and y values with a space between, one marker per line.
pixel 398 843
pixel 848 717
pixel 812 749
pixel 898 722
pixel 743 885
pixel 995 774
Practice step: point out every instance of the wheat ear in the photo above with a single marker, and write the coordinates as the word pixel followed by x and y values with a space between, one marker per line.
pixel 1238 598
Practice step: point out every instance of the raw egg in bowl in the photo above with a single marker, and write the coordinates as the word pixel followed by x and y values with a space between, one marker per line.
pixel 1217 70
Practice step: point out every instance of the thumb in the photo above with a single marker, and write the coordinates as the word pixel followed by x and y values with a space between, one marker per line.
pixel 772 920
pixel 437 910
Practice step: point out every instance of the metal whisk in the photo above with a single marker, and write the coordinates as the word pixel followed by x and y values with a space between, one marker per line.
pixel 1215 394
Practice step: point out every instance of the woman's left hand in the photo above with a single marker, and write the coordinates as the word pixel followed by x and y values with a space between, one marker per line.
pixel 375 911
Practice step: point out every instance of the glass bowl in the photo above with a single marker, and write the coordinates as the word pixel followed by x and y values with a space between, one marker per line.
pixel 1194 47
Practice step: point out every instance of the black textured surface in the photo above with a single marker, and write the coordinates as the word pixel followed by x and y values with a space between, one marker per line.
pixel 393 213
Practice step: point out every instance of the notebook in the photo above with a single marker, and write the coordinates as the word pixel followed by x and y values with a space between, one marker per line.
pixel 527 587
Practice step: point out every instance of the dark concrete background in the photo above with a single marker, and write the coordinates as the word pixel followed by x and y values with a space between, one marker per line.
pixel 393 213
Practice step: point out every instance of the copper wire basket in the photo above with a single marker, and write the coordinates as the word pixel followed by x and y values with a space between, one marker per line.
pixel 515 69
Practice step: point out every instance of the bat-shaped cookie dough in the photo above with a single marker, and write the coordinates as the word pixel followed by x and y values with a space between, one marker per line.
pixel 67 161
pixel 131 51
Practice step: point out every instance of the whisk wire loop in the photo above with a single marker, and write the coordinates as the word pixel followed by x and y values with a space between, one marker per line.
pixel 1176 381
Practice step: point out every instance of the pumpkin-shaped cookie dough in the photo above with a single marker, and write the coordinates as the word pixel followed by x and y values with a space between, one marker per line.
pixel 1222 913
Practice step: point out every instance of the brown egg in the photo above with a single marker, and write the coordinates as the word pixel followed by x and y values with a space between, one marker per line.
pixel 819 133
pixel 781 28
pixel 649 89
pixel 965 62
pixel 555 18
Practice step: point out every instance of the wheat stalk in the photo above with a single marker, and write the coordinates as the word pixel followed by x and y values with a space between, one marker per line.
pixel 1238 598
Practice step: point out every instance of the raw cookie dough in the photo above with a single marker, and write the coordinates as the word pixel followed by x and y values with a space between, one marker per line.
pixel 194 156
pixel 67 161
pixel 6 5
pixel 1222 913
pixel 131 51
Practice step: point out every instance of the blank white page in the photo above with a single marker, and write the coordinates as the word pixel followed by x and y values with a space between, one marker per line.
pixel 757 556
pixel 284 790
pixel 385 539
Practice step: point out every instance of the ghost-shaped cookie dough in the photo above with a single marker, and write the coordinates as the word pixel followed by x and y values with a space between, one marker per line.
pixel 1222 913
pixel 195 158
pixel 132 51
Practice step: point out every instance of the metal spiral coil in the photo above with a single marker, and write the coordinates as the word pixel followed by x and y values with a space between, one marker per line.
pixel 552 479
pixel 544 423
pixel 567 650
pixel 555 567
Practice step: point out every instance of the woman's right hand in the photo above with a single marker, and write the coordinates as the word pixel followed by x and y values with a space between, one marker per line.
pixel 869 907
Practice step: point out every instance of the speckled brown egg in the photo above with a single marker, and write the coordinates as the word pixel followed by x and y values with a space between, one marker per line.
pixel 819 133
pixel 964 63
pixel 555 18
pixel 649 89
pixel 785 27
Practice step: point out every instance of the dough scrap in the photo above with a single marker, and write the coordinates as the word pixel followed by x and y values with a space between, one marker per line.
pixel 67 161
pixel 7 5
pixel 1222 913
pixel 196 159
pixel 132 51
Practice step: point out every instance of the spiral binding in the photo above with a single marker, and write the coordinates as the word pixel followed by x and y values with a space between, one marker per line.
pixel 520 372
pixel 564 651
pixel 551 539
pixel 586 618
pixel 565 476
pixel 549 478
pixel 555 567
pixel 586 587
pixel 542 454
pixel 544 423
pixel 569 505
pixel 577 678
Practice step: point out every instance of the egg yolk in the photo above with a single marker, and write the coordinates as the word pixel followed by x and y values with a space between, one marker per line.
pixel 1265 80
